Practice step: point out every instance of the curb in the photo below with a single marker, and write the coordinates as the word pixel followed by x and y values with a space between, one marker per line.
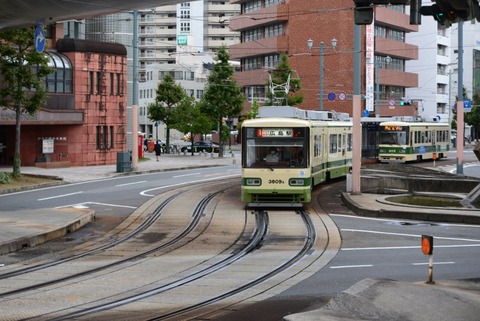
pixel 13 245
pixel 422 213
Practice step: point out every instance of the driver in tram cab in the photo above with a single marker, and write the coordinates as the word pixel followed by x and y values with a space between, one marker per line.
pixel 272 157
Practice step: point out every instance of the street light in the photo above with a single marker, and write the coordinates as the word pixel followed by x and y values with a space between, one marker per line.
pixel 322 71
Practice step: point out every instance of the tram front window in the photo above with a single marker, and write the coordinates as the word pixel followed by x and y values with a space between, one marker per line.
pixel 275 153
pixel 393 137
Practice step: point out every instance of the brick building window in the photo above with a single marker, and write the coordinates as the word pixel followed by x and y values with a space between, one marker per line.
pixel 104 137
pixel 91 82
pixel 61 80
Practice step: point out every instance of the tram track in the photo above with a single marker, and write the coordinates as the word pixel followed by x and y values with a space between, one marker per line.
pixel 227 242
pixel 116 239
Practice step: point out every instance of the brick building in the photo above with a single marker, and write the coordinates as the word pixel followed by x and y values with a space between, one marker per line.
pixel 271 27
pixel 84 119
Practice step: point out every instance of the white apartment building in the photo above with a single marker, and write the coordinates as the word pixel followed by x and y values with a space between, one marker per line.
pixel 191 72
pixel 201 26
pixel 437 66
pixel 180 39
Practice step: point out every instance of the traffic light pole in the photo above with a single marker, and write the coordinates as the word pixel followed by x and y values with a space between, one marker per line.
pixel 356 113
pixel 460 119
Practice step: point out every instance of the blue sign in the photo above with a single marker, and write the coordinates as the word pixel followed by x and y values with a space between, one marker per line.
pixel 39 39
pixel 331 96
pixel 467 104
pixel 421 150
pixel 365 113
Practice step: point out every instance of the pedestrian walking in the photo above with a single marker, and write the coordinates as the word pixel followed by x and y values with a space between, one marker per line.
pixel 158 149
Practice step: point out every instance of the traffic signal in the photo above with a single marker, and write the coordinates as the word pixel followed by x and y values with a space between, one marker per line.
pixel 406 103
pixel 447 12
pixel 364 9
pixel 363 14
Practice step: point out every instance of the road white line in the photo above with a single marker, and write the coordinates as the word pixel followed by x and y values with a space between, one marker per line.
pixel 404 247
pixel 409 235
pixel 184 175
pixel 58 196
pixel 145 192
pixel 434 263
pixel 349 216
pixel 85 205
pixel 350 266
pixel 133 183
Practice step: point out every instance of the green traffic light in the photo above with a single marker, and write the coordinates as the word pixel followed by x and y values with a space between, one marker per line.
pixel 440 17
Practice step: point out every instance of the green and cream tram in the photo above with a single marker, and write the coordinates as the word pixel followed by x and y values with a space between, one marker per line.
pixel 283 158
pixel 406 142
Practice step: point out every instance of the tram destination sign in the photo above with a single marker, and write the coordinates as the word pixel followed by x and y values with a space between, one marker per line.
pixel 393 128
pixel 275 132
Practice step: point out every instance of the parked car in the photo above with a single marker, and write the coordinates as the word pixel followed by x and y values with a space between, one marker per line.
pixel 201 146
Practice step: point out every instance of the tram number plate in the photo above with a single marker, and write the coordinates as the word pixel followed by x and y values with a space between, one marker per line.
pixel 276 181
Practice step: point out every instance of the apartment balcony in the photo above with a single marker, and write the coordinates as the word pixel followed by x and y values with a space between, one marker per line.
pixel 260 17
pixel 389 47
pixel 251 77
pixel 398 78
pixel 225 8
pixel 259 47
pixel 392 18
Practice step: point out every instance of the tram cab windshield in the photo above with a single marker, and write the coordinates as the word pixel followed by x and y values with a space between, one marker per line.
pixel 393 135
pixel 275 147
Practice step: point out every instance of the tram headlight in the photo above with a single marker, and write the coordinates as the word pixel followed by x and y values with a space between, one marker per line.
pixel 296 182
pixel 253 181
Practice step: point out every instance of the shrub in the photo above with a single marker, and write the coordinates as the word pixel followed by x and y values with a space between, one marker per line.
pixel 4 178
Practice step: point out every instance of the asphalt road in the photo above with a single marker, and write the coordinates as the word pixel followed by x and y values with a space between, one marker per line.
pixel 371 248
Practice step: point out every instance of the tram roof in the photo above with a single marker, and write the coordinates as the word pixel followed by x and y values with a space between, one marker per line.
pixel 414 124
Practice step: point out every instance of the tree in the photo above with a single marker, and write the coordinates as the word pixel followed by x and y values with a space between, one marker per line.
pixel 169 95
pixel 190 119
pixel 473 117
pixel 23 71
pixel 223 97
pixel 284 85
pixel 253 110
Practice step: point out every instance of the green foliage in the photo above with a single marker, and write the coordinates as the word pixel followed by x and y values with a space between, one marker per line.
pixel 280 76
pixel 5 178
pixel 190 119
pixel 253 110
pixel 169 95
pixel 223 97
pixel 23 71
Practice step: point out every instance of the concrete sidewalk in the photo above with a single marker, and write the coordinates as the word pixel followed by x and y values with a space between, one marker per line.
pixel 167 162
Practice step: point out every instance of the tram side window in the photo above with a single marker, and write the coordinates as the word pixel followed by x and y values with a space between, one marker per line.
pixel 333 143
pixel 349 142
pixel 341 145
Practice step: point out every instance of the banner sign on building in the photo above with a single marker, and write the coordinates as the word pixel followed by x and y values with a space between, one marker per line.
pixel 47 146
pixel 370 67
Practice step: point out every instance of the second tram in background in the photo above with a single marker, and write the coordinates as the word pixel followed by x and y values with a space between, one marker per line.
pixel 287 151
pixel 405 142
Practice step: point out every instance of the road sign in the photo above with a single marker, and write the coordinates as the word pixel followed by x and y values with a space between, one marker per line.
pixel 342 96
pixel 365 113
pixel 391 102
pixel 467 104
pixel 39 39
pixel 331 96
